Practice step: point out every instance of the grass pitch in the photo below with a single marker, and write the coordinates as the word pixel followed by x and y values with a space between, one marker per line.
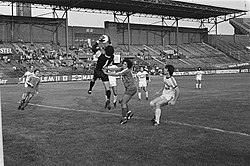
pixel 63 125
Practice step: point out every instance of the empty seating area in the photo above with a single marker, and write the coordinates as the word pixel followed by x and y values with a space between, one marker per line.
pixel 235 46
pixel 190 55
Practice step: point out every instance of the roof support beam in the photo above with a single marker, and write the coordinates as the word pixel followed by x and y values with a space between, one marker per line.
pixel 177 36
pixel 66 31
pixel 129 35
pixel 12 22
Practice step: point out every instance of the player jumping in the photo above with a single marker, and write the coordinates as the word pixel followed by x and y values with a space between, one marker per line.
pixel 104 53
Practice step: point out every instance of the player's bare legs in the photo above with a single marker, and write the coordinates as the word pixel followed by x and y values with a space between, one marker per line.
pixel 91 85
pixel 108 94
pixel 120 100
pixel 146 92
pixel 140 90
pixel 126 114
pixel 22 100
pixel 114 89
pixel 29 97
pixel 156 105
pixel 26 97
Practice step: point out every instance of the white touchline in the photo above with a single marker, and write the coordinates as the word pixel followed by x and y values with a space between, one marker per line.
pixel 167 121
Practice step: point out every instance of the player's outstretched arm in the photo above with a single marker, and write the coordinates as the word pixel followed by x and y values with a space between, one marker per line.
pixel 160 91
pixel 29 83
pixel 112 68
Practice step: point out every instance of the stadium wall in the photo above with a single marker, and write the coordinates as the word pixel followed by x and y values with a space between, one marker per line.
pixel 68 78
pixel 229 38
pixel 153 34
pixel 44 30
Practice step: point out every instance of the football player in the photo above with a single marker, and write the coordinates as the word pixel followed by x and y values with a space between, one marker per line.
pixel 29 91
pixel 170 93
pixel 130 88
pixel 104 52
pixel 198 77
pixel 142 82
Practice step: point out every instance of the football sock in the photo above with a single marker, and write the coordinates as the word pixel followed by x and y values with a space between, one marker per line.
pixel 22 101
pixel 124 112
pixel 108 94
pixel 92 83
pixel 196 86
pixel 157 115
pixel 200 86
pixel 139 95
pixel 115 98
pixel 146 94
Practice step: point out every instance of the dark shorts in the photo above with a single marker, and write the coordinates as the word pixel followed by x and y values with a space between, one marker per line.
pixel 101 75
pixel 29 90
pixel 131 91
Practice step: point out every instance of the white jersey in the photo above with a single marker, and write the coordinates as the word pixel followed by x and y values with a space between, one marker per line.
pixel 27 75
pixel 169 85
pixel 112 79
pixel 199 75
pixel 142 78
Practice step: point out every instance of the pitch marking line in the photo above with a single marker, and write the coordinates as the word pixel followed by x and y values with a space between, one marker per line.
pixel 167 121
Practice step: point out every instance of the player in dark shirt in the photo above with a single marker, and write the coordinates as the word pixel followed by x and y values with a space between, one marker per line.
pixel 104 51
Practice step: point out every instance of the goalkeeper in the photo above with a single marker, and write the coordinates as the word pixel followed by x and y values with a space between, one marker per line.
pixel 29 91
pixel 104 51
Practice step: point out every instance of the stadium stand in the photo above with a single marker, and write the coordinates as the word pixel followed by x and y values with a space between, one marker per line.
pixel 146 47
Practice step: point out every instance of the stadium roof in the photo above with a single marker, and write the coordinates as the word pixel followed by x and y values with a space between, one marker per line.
pixel 165 8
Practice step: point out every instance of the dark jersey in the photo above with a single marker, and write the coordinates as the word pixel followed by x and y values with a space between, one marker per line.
pixel 104 59
pixel 33 83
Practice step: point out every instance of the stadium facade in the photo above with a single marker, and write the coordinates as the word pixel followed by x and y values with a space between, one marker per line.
pixel 184 47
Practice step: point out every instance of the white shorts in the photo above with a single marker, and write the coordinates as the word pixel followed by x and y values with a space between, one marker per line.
pixel 112 81
pixel 143 84
pixel 167 97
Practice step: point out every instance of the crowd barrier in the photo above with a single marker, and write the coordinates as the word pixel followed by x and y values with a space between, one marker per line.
pixel 67 78
pixel 207 72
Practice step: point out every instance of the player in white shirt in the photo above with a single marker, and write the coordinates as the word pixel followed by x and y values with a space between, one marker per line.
pixel 142 82
pixel 170 93
pixel 26 75
pixel 198 77
pixel 29 91
pixel 113 84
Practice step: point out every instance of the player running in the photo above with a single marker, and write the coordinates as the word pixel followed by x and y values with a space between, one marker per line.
pixel 142 82
pixel 130 88
pixel 170 93
pixel 198 77
pixel 29 91
pixel 104 53
pixel 26 75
